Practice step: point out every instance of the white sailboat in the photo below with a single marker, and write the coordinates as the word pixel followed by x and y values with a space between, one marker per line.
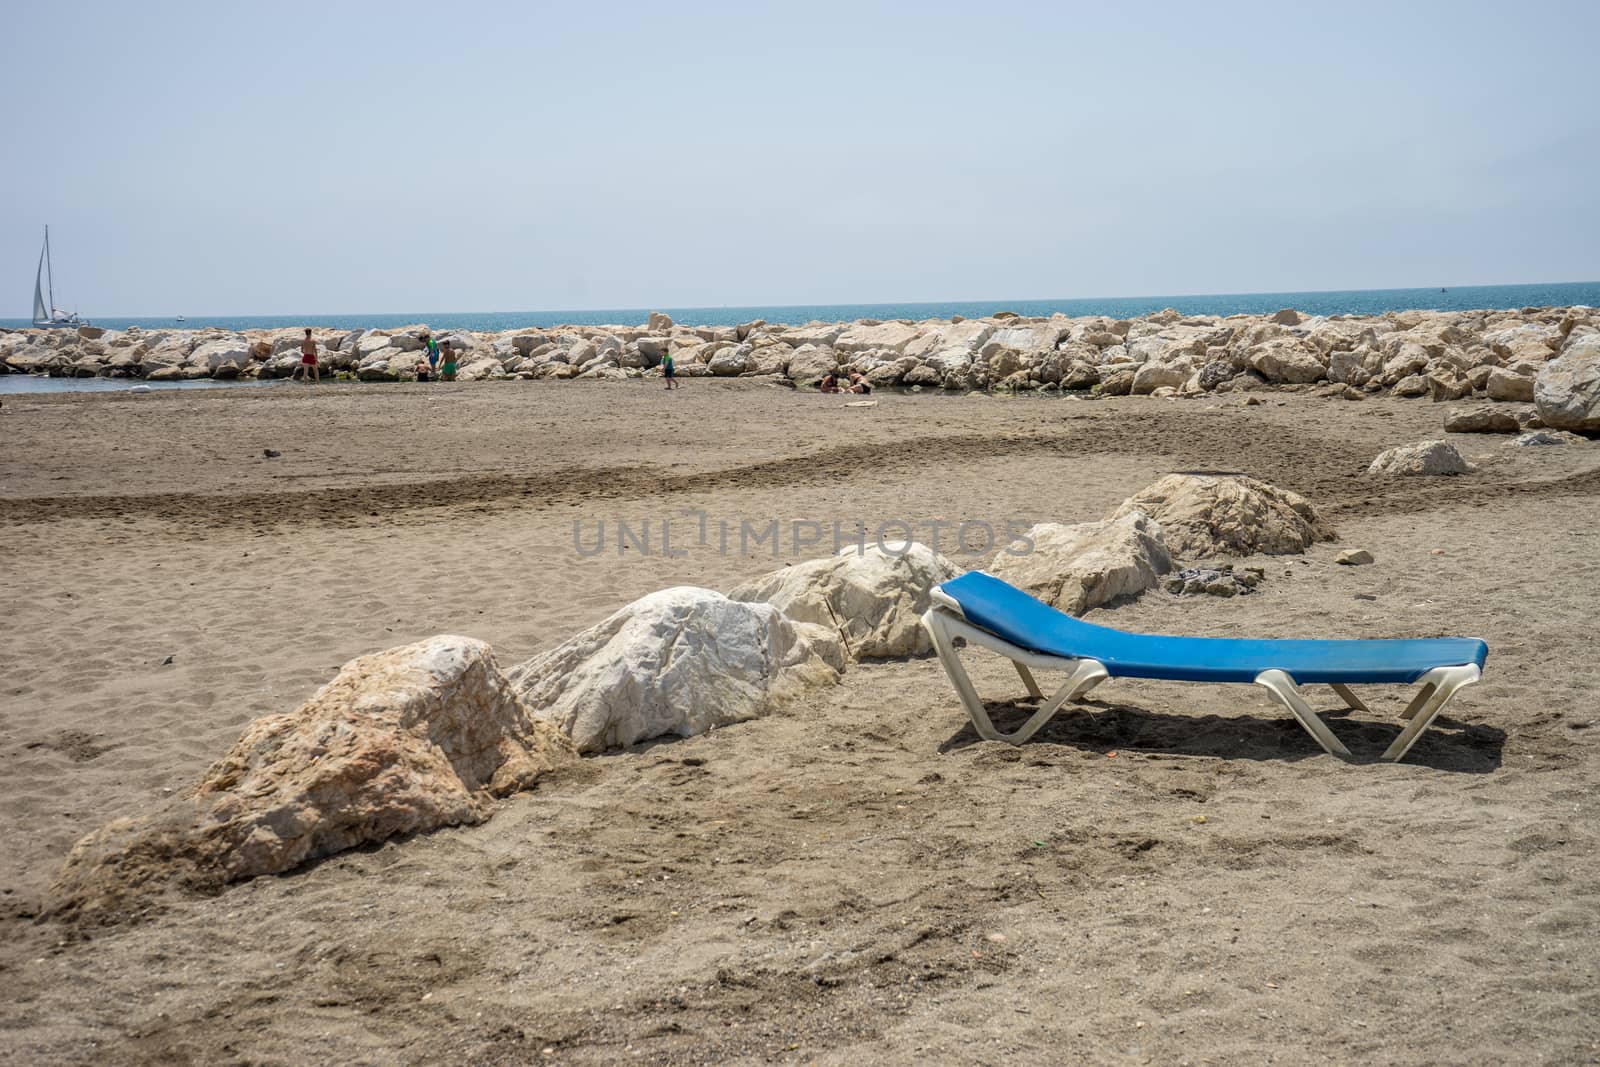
pixel 46 315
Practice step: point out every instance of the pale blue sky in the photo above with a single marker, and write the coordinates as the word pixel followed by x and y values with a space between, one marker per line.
pixel 219 158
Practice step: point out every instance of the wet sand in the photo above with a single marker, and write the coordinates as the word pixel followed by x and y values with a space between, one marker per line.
pixel 1175 873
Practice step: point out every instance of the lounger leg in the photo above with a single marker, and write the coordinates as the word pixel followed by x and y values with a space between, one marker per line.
pixel 1420 699
pixel 1438 686
pixel 1088 684
pixel 1282 686
pixel 958 676
pixel 1087 674
pixel 1349 697
pixel 1027 679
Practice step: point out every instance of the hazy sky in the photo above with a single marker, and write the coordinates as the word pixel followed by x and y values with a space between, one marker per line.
pixel 220 158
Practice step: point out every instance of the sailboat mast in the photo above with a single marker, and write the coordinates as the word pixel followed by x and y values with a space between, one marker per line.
pixel 49 273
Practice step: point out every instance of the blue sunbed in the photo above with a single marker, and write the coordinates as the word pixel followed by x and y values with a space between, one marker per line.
pixel 989 612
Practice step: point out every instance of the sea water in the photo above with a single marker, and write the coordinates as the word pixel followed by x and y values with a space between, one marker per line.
pixel 1347 302
pixel 15 384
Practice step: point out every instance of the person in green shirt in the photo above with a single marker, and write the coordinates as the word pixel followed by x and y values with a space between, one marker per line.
pixel 668 371
pixel 430 349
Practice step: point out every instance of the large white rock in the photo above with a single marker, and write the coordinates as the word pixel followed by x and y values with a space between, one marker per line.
pixel 893 336
pixel 400 742
pixel 1085 565
pixel 1511 383
pixel 969 335
pixel 1533 341
pixel 947 360
pixel 385 365
pixel 679 661
pixel 820 334
pixel 769 357
pixel 481 368
pixel 874 599
pixel 1288 359
pixel 1354 366
pixel 1152 376
pixel 809 361
pixel 1029 338
pixel 1425 457
pixel 1567 390
pixel 730 361
pixel 1226 515
pixel 214 354
pixel 374 341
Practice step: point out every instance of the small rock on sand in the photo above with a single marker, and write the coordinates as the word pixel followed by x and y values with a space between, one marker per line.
pixel 1424 458
pixel 1486 419
pixel 1548 437
pixel 1354 557
pixel 1221 581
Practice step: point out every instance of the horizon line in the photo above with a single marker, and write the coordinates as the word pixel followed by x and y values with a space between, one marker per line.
pixel 856 303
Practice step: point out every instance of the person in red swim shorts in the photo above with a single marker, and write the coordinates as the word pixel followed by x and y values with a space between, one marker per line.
pixel 308 361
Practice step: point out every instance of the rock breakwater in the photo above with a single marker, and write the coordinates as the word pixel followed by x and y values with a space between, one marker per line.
pixel 1492 355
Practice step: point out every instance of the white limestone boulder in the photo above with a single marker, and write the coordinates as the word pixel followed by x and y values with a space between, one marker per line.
pixel 810 362
pixel 1288 359
pixel 400 742
pixel 730 361
pixel 215 354
pixel 1514 382
pixel 1152 376
pixel 1531 341
pixel 969 335
pixel 819 334
pixel 385 365
pixel 481 367
pixel 872 598
pixel 281 365
pixel 374 341
pixel 769 357
pixel 1423 458
pixel 1482 418
pixel 680 661
pixel 1567 391
pixel 893 336
pixel 1202 516
pixel 1087 564
pixel 1548 437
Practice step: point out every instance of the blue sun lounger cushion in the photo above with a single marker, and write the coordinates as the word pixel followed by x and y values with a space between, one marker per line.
pixel 994 614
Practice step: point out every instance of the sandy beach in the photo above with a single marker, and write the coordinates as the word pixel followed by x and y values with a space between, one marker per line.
pixel 1170 874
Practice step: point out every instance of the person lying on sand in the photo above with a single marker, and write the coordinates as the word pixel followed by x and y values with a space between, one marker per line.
pixel 829 383
pixel 858 383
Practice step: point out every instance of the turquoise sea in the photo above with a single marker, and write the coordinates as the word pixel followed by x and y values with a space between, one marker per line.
pixel 1346 302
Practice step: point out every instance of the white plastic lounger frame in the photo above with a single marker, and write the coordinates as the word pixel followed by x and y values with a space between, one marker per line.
pixel 945 622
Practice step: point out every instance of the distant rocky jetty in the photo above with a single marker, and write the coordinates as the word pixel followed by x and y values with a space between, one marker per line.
pixel 1497 355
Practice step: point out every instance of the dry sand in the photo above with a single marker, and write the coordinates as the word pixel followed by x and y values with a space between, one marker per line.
pixel 1175 873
